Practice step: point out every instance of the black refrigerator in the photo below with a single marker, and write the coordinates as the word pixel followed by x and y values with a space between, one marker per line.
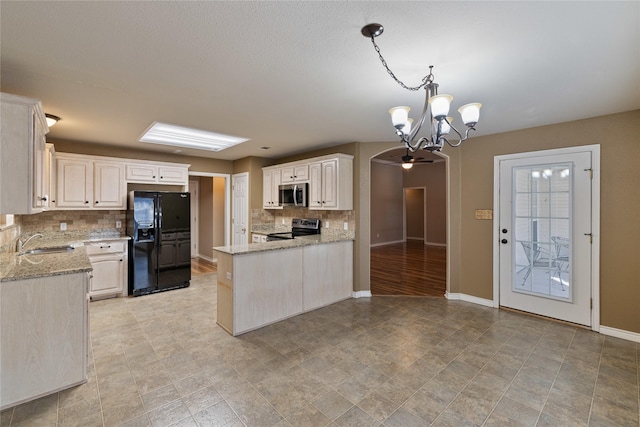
pixel 159 224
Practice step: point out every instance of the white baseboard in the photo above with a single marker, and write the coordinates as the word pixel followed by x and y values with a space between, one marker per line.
pixel 361 294
pixel 469 298
pixel 443 245
pixel 620 333
pixel 387 243
pixel 206 258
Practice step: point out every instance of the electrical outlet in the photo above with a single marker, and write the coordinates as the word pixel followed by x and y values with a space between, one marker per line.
pixel 282 221
pixel 63 226
pixel 346 225
pixel 326 224
pixel 118 224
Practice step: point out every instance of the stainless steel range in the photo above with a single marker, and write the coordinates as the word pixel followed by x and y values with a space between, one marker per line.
pixel 299 227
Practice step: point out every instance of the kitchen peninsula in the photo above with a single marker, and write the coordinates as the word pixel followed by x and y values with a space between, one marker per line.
pixel 263 283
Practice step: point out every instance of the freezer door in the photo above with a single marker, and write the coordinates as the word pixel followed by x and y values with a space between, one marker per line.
pixel 174 212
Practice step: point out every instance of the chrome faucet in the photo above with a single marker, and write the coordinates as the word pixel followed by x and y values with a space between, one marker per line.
pixel 22 245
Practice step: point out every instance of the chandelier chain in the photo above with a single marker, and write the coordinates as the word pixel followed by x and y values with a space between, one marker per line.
pixel 425 81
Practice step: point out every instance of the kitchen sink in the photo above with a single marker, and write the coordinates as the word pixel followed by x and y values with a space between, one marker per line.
pixel 51 250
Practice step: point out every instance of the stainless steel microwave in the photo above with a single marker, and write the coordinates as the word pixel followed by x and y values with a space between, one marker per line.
pixel 293 195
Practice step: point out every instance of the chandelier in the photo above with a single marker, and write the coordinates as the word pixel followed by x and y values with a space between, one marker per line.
pixel 434 114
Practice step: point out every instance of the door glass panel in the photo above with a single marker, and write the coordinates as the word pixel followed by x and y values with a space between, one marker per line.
pixel 542 219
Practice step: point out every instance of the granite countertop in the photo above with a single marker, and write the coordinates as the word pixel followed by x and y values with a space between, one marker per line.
pixel 300 241
pixel 18 267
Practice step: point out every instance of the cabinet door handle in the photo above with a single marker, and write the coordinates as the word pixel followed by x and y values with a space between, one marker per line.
pixel 97 202
pixel 86 202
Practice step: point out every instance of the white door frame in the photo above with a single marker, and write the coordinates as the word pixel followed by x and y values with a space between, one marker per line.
pixel 227 200
pixel 595 217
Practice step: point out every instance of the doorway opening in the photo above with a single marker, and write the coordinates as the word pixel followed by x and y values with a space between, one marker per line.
pixel 210 213
pixel 409 225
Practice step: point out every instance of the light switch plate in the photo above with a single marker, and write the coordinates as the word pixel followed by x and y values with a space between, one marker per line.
pixel 118 224
pixel 63 226
pixel 346 225
pixel 228 275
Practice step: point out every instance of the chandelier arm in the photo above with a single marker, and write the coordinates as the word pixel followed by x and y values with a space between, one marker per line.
pixel 425 112
pixel 462 139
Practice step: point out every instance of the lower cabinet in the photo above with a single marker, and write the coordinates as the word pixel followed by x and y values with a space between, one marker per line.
pixel 44 331
pixel 109 261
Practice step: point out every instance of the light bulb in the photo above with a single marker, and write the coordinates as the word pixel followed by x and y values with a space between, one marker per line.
pixel 399 116
pixel 470 113
pixel 407 165
pixel 440 105
pixel 407 127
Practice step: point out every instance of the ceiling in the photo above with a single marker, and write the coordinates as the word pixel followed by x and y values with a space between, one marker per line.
pixel 297 76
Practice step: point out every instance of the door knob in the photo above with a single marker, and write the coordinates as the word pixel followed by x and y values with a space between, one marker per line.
pixel 504 231
pixel 244 230
pixel 503 241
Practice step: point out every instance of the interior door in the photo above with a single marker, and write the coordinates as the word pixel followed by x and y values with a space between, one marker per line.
pixel 240 218
pixel 545 235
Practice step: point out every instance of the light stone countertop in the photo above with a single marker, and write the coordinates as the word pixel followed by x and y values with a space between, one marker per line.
pixel 300 241
pixel 18 267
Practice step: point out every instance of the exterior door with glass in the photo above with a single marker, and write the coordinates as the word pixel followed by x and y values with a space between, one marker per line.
pixel 545 251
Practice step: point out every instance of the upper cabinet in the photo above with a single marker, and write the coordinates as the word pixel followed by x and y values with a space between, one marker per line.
pixel 23 128
pixel 330 181
pixel 157 174
pixel 331 184
pixel 296 173
pixel 85 183
pixel 95 182
pixel 271 179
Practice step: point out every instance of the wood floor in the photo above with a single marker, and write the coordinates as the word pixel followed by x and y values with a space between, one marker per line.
pixel 410 268
pixel 201 266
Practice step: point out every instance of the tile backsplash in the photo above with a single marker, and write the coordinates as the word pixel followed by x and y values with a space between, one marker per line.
pixel 336 219
pixel 75 220
pixel 49 221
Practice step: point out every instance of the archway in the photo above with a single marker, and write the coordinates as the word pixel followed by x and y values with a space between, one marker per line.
pixel 400 265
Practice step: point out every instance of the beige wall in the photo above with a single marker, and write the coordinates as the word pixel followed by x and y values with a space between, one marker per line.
pixel 434 177
pixel 205 216
pixel 414 201
pixel 619 138
pixel 386 203
pixel 218 211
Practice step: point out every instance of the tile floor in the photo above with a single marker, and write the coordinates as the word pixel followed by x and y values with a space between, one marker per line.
pixel 160 360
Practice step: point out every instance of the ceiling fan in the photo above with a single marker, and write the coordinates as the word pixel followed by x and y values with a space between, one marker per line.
pixel 408 160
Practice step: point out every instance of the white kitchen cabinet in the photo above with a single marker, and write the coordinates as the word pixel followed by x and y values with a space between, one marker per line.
pixel 23 155
pixel 295 173
pixel 44 336
pixel 157 174
pixel 85 183
pixel 271 179
pixel 109 261
pixel 331 184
